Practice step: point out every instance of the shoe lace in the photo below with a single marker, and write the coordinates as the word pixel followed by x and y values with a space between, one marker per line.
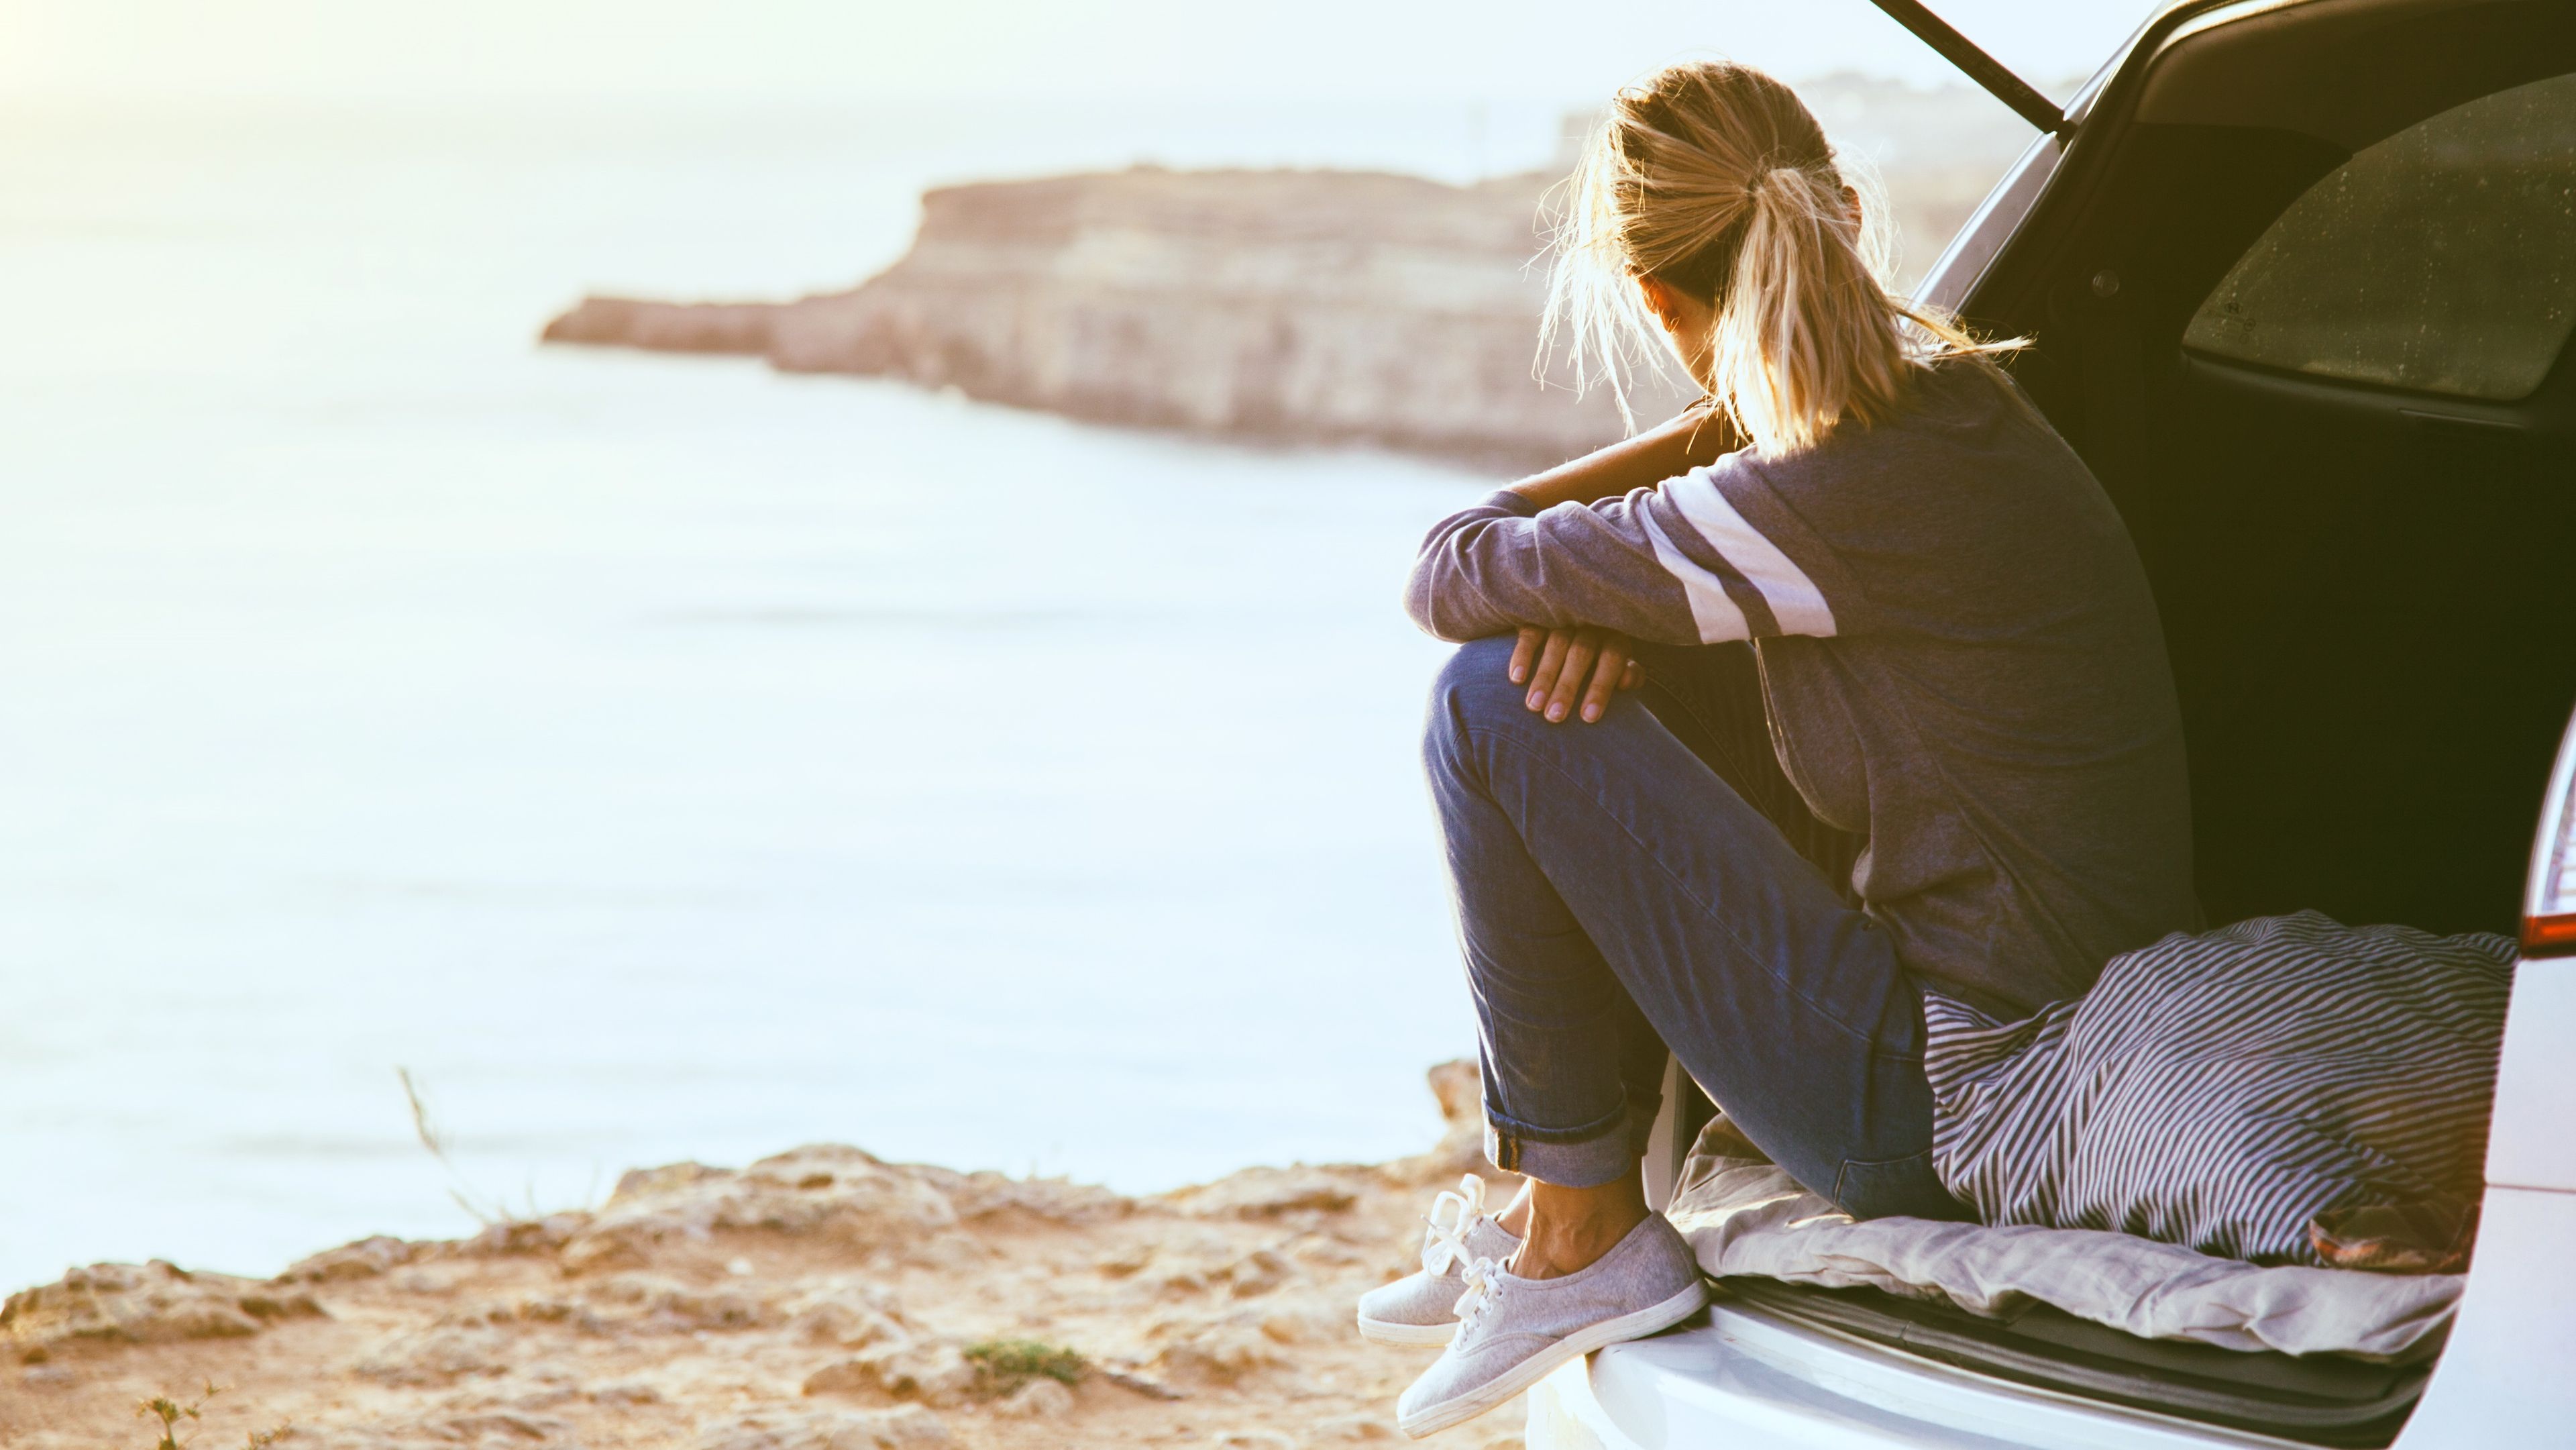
pixel 1444 1241
pixel 1484 1285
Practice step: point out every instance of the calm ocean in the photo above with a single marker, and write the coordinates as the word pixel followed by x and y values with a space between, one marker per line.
pixel 661 758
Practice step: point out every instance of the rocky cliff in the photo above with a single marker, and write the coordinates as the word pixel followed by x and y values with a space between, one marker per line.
pixel 1305 306
pixel 1293 305
pixel 818 1300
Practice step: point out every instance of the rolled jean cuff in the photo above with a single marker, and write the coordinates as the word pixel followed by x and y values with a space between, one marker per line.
pixel 1599 1155
pixel 1640 1124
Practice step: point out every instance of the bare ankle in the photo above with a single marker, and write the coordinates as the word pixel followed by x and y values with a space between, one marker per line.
pixel 1569 1229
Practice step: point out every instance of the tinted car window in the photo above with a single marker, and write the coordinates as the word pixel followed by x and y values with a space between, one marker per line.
pixel 2441 259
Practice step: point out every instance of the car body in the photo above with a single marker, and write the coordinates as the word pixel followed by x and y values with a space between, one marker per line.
pixel 2290 302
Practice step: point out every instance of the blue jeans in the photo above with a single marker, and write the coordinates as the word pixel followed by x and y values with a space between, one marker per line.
pixel 1633 885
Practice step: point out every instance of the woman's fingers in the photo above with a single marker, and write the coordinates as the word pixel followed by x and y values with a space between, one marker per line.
pixel 1607 674
pixel 1573 673
pixel 1525 652
pixel 1551 657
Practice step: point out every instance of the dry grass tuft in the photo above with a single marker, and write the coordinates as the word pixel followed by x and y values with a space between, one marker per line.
pixel 1003 1365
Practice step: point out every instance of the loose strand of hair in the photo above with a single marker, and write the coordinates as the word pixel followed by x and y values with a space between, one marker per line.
pixel 1806 334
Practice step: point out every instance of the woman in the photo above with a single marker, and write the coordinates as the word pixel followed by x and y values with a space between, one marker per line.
pixel 1897 720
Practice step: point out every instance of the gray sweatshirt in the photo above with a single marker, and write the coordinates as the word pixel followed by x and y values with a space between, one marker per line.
pixel 1960 658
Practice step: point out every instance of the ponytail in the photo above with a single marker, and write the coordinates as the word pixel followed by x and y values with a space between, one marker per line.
pixel 1714 178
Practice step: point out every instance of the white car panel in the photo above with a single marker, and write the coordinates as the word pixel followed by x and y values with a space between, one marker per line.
pixel 1750 1382
pixel 2505 1378
pixel 2533 1142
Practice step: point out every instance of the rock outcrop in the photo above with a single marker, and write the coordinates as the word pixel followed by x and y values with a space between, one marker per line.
pixel 1299 306
pixel 822 1299
pixel 154 1303
pixel 1302 306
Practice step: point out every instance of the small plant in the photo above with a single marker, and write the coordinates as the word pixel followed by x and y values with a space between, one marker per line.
pixel 170 1412
pixel 1003 1365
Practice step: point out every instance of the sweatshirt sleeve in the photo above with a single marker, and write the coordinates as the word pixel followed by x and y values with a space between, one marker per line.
pixel 1679 563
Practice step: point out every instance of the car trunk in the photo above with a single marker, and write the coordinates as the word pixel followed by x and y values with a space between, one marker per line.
pixel 2338 1400
pixel 2355 579
pixel 2357 575
pixel 2320 1399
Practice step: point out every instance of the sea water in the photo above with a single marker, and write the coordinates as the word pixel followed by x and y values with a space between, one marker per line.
pixel 658 757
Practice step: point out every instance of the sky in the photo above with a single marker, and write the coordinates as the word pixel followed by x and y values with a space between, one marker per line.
pixel 868 51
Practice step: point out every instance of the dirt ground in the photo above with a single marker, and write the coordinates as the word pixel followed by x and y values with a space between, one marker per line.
pixel 818 1300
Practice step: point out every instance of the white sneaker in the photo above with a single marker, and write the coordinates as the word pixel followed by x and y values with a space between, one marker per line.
pixel 1422 1308
pixel 1512 1332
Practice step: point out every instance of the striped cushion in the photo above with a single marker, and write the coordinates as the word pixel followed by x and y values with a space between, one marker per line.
pixel 2219 1091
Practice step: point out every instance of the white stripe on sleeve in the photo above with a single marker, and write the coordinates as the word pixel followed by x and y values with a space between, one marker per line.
pixel 1795 601
pixel 1719 621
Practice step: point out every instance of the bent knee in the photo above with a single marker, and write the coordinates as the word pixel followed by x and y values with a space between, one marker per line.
pixel 1475 683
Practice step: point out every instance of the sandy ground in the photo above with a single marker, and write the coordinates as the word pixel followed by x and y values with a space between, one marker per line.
pixel 819 1300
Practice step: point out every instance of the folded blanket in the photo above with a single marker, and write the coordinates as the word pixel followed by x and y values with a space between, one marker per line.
pixel 2244 1092
pixel 1749 1217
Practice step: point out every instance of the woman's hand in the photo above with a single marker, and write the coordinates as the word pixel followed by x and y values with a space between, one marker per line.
pixel 1555 664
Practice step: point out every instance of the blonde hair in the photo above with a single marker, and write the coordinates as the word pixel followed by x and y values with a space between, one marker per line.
pixel 1715 178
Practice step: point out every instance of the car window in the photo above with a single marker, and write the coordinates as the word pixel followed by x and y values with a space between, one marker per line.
pixel 2441 259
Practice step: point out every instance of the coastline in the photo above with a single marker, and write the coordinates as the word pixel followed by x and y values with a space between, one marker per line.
pixel 1284 305
pixel 1290 307
pixel 820 1299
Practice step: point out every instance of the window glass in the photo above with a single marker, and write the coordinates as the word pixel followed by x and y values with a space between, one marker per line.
pixel 2441 259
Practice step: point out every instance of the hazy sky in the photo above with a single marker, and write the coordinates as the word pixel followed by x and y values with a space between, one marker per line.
pixel 863 50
